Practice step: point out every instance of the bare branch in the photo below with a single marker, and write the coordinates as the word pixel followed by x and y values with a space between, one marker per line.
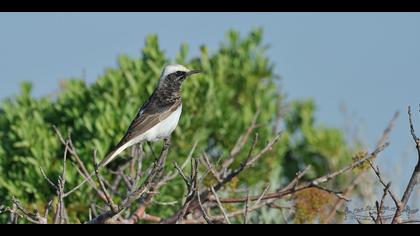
pixel 339 195
pixel 197 206
pixel 210 168
pixel 414 179
pixel 33 217
pixel 293 188
pixel 109 200
pixel 359 177
pixel 172 175
pixel 181 173
pixel 240 143
pixel 192 184
pixel 380 206
pixel 347 168
pixel 203 210
pixel 220 205
pixel 385 184
pixel 47 179
pixel 144 193
pixel 246 209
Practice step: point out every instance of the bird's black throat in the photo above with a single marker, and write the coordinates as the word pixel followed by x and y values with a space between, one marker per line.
pixel 165 95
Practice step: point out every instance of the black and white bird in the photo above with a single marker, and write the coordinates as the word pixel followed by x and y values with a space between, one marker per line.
pixel 159 115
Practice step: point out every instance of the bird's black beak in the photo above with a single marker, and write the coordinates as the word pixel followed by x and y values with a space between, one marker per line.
pixel 191 72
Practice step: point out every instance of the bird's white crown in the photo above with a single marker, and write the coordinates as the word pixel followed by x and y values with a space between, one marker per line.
pixel 169 69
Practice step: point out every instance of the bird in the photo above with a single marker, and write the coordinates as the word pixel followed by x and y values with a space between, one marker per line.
pixel 158 117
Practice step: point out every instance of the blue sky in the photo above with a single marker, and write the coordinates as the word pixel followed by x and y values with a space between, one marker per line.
pixel 367 62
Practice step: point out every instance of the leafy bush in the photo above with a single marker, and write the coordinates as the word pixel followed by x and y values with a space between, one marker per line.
pixel 218 106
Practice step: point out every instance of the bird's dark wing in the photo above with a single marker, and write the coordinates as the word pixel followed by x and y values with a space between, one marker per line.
pixel 148 116
pixel 146 119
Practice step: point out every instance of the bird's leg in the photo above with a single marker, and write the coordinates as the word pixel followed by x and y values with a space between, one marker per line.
pixel 151 150
pixel 167 142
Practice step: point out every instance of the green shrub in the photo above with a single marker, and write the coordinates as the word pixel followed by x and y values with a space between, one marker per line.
pixel 218 106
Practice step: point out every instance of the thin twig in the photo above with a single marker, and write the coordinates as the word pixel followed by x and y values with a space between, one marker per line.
pixel 220 205
pixel 203 210
pixel 293 188
pixel 360 176
pixel 414 179
pixel 109 200
pixel 246 209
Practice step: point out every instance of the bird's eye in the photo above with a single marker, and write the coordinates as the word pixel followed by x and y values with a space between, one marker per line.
pixel 180 73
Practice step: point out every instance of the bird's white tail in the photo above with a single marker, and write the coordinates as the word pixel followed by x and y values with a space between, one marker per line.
pixel 111 156
pixel 103 163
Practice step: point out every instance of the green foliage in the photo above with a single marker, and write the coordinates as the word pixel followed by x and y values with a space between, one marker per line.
pixel 218 106
pixel 312 204
pixel 322 147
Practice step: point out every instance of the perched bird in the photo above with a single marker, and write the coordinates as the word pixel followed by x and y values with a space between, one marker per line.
pixel 159 115
pixel 157 118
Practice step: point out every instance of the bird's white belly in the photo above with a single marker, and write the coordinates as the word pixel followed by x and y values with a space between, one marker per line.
pixel 164 128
